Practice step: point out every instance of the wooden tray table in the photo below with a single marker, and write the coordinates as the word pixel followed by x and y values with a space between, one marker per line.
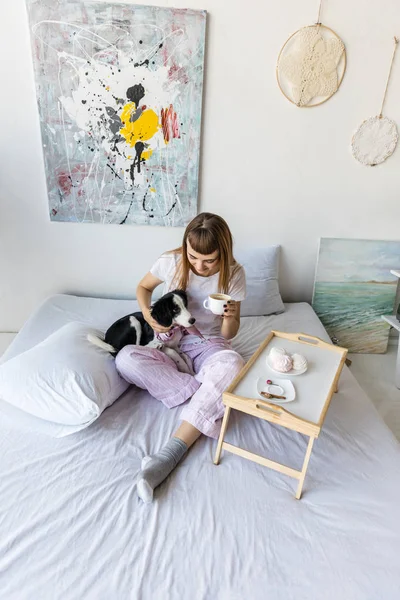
pixel 305 414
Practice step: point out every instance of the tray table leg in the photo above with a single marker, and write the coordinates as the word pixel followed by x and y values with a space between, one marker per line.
pixel 304 469
pixel 221 435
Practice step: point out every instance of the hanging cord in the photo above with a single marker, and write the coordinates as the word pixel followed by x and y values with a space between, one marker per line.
pixel 396 41
pixel 319 13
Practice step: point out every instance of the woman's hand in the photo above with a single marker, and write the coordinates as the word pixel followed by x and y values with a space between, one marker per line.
pixel 230 319
pixel 143 293
pixel 153 323
pixel 232 310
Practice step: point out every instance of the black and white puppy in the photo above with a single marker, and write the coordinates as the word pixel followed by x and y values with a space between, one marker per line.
pixel 171 309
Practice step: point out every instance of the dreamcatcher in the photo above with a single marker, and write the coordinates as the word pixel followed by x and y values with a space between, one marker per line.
pixel 376 138
pixel 311 65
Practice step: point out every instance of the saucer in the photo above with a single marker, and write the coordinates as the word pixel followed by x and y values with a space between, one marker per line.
pixel 285 384
pixel 290 373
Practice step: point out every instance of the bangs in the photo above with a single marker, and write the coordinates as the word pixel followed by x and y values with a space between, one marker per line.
pixel 203 241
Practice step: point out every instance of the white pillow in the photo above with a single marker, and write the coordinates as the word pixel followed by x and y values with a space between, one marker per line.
pixel 262 269
pixel 61 385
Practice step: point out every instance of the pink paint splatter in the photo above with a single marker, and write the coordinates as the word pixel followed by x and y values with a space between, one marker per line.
pixel 176 73
pixel 169 122
pixel 65 183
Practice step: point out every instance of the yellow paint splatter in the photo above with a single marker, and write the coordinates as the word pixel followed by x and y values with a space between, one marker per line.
pixel 152 189
pixel 140 130
pixel 146 154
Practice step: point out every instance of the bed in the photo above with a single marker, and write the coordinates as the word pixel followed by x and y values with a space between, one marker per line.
pixel 72 527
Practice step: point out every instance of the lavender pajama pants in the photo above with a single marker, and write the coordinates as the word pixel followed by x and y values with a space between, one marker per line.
pixel 215 365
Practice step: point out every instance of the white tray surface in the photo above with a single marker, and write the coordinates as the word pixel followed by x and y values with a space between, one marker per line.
pixel 311 388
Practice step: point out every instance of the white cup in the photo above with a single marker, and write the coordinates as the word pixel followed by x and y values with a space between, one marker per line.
pixel 216 302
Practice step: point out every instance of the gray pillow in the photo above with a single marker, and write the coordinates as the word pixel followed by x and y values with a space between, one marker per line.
pixel 262 268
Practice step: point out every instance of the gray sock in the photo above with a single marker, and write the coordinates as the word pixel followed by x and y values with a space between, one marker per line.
pixel 156 468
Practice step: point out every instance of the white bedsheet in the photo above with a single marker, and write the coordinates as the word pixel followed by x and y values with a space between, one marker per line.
pixel 72 527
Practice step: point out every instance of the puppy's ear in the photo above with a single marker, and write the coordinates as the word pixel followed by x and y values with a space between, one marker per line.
pixel 162 312
pixel 182 294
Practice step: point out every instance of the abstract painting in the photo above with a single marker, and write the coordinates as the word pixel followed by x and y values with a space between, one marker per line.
pixel 119 90
pixel 353 288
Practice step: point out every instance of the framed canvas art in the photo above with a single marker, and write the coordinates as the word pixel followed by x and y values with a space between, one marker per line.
pixel 353 288
pixel 119 91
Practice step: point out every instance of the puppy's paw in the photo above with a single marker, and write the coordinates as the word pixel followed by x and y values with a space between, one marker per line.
pixel 183 367
pixel 156 344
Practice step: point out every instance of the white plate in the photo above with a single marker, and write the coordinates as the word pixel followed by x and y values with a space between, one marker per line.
pixel 286 384
pixel 289 373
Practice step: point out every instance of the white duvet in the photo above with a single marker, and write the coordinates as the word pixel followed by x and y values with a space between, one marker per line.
pixel 72 527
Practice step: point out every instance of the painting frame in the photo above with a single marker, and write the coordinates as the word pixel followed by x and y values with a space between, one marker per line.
pixel 353 288
pixel 120 92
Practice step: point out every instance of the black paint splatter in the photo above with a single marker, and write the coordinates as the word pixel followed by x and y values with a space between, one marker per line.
pixel 129 210
pixel 146 62
pixel 144 200
pixel 139 147
pixel 115 172
pixel 135 94
pixel 174 203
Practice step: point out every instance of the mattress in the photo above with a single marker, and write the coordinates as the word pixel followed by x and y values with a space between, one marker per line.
pixel 72 527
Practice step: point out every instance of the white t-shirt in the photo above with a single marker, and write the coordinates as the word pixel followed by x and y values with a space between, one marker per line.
pixel 198 289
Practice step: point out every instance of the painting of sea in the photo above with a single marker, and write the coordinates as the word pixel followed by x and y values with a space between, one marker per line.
pixel 353 288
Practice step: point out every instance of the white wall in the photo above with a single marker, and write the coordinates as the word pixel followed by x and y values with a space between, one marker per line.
pixel 279 174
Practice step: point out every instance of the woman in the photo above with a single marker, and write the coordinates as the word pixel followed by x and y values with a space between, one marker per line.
pixel 203 265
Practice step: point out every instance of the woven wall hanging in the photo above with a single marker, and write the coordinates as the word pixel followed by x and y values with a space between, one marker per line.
pixel 376 138
pixel 311 65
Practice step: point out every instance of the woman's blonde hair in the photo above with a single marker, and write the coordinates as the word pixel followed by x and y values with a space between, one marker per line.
pixel 207 233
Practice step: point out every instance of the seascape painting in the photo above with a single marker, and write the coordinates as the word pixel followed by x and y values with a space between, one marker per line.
pixel 119 91
pixel 353 288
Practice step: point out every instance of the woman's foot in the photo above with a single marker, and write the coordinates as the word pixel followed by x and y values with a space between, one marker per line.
pixel 156 468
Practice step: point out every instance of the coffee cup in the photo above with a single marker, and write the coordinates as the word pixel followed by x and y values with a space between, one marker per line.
pixel 216 303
